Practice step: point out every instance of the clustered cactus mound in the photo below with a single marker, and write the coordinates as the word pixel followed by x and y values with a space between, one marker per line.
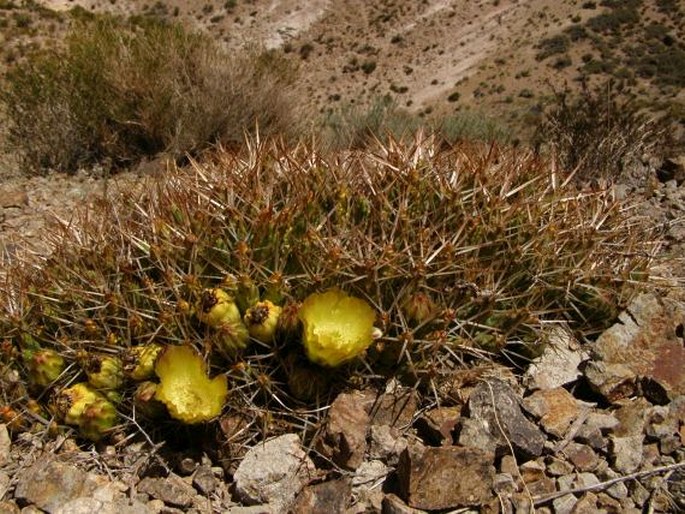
pixel 286 275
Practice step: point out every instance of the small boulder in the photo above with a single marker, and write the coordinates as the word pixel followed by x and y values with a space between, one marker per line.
pixel 344 438
pixel 445 477
pixel 273 472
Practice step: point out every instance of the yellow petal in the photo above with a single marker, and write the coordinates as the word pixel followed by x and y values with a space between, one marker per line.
pixel 337 327
pixel 189 395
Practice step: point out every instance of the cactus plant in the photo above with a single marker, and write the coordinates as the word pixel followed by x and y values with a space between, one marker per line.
pixel 452 253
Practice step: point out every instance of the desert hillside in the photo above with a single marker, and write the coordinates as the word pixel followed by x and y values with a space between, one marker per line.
pixel 434 57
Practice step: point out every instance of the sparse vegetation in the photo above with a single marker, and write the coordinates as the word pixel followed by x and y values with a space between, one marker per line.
pixel 120 90
pixel 598 133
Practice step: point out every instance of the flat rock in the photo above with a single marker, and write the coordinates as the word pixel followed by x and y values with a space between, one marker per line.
pixel 446 477
pixel 172 490
pixel 386 443
pixel 274 472
pixel 344 437
pixel 555 408
pixel 582 457
pixel 369 475
pixel 91 506
pixel 495 404
pixel 395 407
pixel 645 341
pixel 49 484
pixel 626 453
pixel 329 497
pixel 559 363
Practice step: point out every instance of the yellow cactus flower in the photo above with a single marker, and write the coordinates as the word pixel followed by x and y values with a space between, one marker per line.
pixel 262 320
pixel 337 327
pixel 189 395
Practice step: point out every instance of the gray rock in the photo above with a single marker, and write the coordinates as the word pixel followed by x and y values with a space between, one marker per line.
pixel 504 484
pixel 386 444
pixel 618 491
pixel 496 403
pixel 559 363
pixel 626 453
pixel 94 506
pixel 564 504
pixel 477 433
pixel 446 477
pixel 326 498
pixel 49 484
pixel 344 437
pixel 204 480
pixel 612 381
pixel 5 445
pixel 557 467
pixel 586 480
pixel 369 475
pixel 274 472
pixel 172 490
pixel 631 416
pixel 4 484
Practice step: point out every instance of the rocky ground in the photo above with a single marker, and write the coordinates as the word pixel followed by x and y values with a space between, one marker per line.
pixel 594 427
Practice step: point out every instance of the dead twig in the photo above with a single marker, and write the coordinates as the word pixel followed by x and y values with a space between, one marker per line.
pixel 544 498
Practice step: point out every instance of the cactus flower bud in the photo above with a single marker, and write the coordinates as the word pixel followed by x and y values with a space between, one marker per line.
pixel 44 366
pixel 262 320
pixel 419 308
pixel 81 405
pixel 139 361
pixel 216 308
pixel 103 371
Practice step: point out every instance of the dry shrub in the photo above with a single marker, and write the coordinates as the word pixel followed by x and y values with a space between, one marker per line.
pixel 122 89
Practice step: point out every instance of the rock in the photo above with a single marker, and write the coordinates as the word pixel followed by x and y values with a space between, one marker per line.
pixel 557 467
pixel 172 490
pixel 395 407
pixel 476 433
pixel 436 425
pixel 49 484
pixel 13 198
pixel 394 505
pixel 326 498
pixel 564 504
pixel 505 422
pixel 586 480
pixel 253 509
pixel 618 491
pixel 631 417
pixel 555 408
pixel 581 456
pixel 369 475
pixel 5 446
pixel 446 477
pixel 386 444
pixel 587 504
pixel 204 480
pixel 504 484
pixel 9 507
pixel 532 470
pixel 672 169
pixel 92 506
pixel 626 453
pixel 344 438
pixel 559 363
pixel 4 484
pixel 646 343
pixel 273 472
pixel 612 381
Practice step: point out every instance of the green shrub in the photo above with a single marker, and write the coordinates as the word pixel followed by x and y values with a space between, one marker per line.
pixel 120 90
pixel 554 45
pixel 355 126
